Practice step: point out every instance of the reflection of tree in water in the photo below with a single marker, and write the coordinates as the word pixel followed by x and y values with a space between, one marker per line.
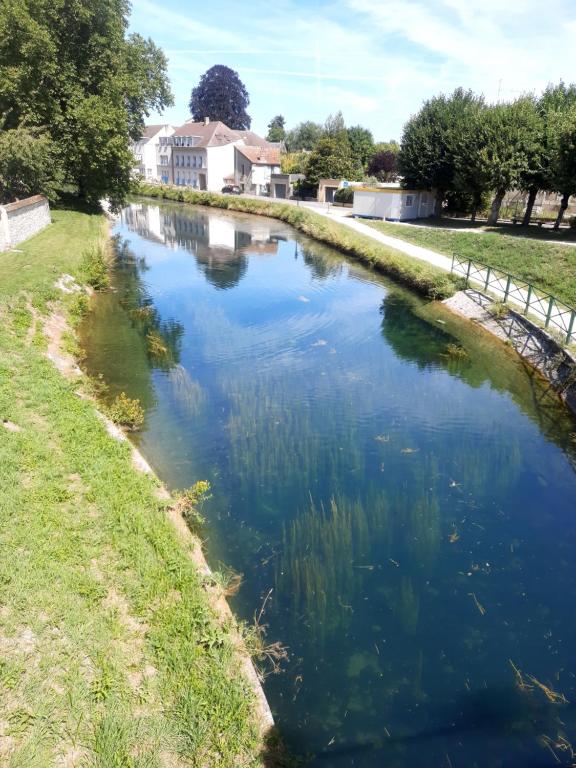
pixel 222 268
pixel 321 264
pixel 411 337
pixel 162 337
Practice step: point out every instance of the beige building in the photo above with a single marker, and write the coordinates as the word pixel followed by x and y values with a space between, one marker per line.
pixel 254 167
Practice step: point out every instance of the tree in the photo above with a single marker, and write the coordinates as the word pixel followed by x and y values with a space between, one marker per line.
pixel 383 165
pixel 510 151
pixel 304 136
pixel 555 99
pixel 427 158
pixel 561 134
pixel 221 95
pixel 27 164
pixel 67 67
pixel 469 137
pixel 361 144
pixel 294 162
pixel 334 125
pixel 331 159
pixel 276 129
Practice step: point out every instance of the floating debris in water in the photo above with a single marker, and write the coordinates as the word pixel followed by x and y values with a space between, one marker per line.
pixel 382 438
pixel 454 536
pixel 477 603
pixel 409 450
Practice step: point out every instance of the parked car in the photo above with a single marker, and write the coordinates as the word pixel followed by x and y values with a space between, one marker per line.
pixel 231 189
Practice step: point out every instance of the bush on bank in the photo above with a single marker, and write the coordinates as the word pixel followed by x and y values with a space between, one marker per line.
pixel 424 278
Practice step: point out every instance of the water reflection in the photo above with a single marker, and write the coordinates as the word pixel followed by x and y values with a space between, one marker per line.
pixel 412 512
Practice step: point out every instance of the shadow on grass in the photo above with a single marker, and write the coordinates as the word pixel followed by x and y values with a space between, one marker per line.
pixel 533 231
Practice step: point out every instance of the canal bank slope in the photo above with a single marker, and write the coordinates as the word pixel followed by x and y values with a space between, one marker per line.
pixel 116 645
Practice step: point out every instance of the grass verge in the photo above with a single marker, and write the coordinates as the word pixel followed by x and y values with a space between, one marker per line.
pixel 547 265
pixel 422 277
pixel 111 654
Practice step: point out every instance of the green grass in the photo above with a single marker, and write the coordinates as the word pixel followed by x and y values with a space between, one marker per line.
pixel 418 275
pixel 547 265
pixel 110 652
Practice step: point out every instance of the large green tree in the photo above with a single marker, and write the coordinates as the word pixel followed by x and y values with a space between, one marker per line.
pixel 276 129
pixel 69 69
pixel 331 159
pixel 304 136
pixel 427 155
pixel 361 144
pixel 511 148
pixel 221 95
pixel 561 132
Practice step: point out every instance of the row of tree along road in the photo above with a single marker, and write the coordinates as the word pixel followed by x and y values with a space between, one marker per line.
pixel 466 149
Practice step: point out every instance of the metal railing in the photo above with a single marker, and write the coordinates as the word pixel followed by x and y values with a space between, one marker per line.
pixel 513 290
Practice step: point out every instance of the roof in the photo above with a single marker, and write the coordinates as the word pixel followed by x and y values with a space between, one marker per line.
pixel 261 155
pixel 213 134
pixel 150 131
pixel 391 190
pixel 252 139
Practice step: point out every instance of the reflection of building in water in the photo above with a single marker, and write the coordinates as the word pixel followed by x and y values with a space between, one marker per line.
pixel 147 220
pixel 219 245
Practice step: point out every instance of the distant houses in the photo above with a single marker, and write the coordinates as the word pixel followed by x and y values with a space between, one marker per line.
pixel 206 156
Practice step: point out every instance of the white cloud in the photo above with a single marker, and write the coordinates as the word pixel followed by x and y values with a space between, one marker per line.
pixel 376 60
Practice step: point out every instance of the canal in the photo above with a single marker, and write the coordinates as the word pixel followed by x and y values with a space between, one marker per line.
pixel 396 488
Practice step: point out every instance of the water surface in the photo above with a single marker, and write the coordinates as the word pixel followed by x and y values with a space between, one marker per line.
pixel 409 514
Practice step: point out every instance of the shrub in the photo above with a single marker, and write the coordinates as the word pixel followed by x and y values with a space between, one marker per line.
pixel 190 501
pixel 456 352
pixel 498 310
pixel 94 268
pixel 344 195
pixel 126 412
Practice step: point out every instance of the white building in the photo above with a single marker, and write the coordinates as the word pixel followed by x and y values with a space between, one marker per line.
pixel 254 166
pixel 151 158
pixel 392 203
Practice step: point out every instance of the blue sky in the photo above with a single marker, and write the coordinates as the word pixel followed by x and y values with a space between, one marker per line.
pixel 376 60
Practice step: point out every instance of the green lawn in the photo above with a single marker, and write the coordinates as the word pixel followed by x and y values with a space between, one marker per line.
pixel 110 653
pixel 549 266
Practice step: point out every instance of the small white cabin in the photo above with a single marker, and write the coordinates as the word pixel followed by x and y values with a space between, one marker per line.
pixel 393 203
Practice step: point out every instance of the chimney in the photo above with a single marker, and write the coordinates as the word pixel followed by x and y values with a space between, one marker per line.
pixel 206 120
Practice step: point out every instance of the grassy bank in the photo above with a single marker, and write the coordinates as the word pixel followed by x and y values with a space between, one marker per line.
pixel 422 277
pixel 110 652
pixel 549 266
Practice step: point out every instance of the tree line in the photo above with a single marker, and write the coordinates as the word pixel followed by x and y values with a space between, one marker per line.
pixel 332 150
pixel 468 150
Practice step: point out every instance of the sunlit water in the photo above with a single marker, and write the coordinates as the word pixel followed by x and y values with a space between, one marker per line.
pixel 409 515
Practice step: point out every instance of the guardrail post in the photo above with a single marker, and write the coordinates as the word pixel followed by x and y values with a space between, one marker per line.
pixel 468 272
pixel 487 279
pixel 549 312
pixel 507 290
pixel 528 300
pixel 571 327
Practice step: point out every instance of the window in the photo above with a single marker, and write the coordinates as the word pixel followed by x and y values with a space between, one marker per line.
pixel 188 161
pixel 409 201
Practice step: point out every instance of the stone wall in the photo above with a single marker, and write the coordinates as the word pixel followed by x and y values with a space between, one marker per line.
pixel 21 220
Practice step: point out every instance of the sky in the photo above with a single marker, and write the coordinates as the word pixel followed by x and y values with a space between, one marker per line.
pixel 375 60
